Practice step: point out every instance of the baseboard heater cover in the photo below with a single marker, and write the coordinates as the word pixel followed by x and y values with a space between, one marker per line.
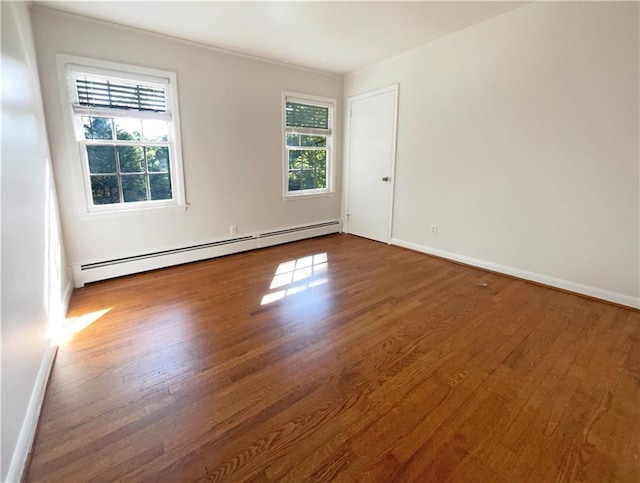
pixel 102 270
pixel 165 252
pixel 298 228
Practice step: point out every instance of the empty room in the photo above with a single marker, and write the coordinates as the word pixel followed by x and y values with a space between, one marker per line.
pixel 320 241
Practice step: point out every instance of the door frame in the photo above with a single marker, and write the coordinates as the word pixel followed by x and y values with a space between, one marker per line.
pixel 347 165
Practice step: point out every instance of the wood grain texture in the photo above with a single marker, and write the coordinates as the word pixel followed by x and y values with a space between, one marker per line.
pixel 365 363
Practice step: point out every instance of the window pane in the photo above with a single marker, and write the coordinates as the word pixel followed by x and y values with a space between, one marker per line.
pixel 97 127
pixel 128 129
pixel 157 158
pixel 294 181
pixel 293 140
pixel 104 190
pixel 102 159
pixel 307 170
pixel 134 187
pixel 317 159
pixel 318 141
pixel 86 124
pixel 304 115
pixel 308 179
pixel 131 159
pixel 321 178
pixel 154 130
pixel 160 185
pixel 298 159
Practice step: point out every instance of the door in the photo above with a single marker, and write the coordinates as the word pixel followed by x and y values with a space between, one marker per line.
pixel 372 139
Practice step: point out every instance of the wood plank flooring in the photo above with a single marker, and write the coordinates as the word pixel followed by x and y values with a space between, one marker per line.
pixel 341 359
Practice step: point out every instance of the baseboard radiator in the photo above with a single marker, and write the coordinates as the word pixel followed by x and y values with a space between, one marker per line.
pixel 102 270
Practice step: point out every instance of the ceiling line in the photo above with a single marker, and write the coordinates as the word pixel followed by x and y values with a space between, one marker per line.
pixel 181 40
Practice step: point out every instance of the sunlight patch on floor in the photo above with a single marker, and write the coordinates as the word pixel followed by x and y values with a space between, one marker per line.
pixel 73 325
pixel 295 276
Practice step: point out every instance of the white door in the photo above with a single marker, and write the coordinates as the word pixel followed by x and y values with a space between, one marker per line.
pixel 372 135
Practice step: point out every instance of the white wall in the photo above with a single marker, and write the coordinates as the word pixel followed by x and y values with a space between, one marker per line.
pixel 231 114
pixel 518 137
pixel 32 257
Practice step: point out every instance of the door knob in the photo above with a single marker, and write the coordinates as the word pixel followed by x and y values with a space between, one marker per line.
pixel 386 179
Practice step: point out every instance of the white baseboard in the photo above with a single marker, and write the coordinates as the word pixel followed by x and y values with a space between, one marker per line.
pixel 100 270
pixel 30 423
pixel 595 292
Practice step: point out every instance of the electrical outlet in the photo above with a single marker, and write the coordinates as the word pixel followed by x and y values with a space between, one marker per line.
pixel 233 229
pixel 434 230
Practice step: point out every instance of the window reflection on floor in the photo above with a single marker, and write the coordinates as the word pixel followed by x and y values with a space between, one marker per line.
pixel 295 276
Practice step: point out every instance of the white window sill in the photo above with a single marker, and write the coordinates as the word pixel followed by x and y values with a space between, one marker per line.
pixel 306 196
pixel 108 215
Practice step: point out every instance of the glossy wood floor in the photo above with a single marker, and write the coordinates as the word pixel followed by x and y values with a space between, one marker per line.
pixel 341 359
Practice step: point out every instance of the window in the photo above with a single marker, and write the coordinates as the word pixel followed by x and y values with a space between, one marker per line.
pixel 308 143
pixel 125 124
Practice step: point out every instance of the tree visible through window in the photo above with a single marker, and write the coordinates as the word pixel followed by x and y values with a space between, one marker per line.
pixel 125 129
pixel 131 171
pixel 308 145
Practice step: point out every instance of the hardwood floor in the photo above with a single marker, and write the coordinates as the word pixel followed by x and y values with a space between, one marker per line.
pixel 364 362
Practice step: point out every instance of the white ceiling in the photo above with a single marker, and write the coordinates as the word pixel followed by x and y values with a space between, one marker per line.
pixel 338 37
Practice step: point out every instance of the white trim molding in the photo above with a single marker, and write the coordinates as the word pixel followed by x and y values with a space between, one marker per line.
pixel 595 292
pixel 330 148
pixel 191 43
pixel 68 67
pixel 346 172
pixel 27 435
pixel 30 423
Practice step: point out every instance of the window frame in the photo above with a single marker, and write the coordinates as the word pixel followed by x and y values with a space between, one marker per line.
pixel 68 67
pixel 318 101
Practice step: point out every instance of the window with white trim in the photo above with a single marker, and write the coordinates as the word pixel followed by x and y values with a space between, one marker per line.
pixel 308 163
pixel 125 124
